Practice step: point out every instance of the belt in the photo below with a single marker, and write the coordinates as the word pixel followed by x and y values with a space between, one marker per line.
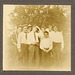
pixel 22 43
pixel 56 43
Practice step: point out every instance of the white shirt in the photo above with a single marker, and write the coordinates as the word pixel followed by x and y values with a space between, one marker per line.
pixel 58 38
pixel 31 39
pixel 21 39
pixel 46 43
pixel 51 34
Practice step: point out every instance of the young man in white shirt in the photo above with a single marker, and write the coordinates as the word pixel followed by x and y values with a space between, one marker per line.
pixel 46 46
pixel 50 30
pixel 32 41
pixel 58 43
pixel 22 46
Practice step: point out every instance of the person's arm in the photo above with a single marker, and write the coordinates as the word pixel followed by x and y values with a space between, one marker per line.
pixel 44 49
pixel 42 46
pixel 50 45
pixel 62 42
pixel 48 50
pixel 38 28
pixel 14 42
pixel 13 37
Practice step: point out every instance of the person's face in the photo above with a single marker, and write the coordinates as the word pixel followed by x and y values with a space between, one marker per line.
pixel 55 28
pixel 42 29
pixel 29 29
pixel 34 29
pixel 46 35
pixel 19 29
pixel 50 28
pixel 25 29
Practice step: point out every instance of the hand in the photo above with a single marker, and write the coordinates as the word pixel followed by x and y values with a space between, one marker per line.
pixel 19 50
pixel 47 51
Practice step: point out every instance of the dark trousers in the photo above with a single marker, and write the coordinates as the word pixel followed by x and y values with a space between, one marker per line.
pixel 23 55
pixel 33 51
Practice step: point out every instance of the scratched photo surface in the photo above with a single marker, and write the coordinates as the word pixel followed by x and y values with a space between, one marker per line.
pixel 37 37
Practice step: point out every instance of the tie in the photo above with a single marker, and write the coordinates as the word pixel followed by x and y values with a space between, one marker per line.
pixel 34 36
pixel 26 36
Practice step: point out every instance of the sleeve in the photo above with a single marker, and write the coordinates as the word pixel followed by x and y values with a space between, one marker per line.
pixel 41 35
pixel 19 41
pixel 37 37
pixel 42 45
pixel 38 28
pixel 62 41
pixel 51 44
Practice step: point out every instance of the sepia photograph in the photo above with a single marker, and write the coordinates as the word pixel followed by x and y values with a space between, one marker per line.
pixel 36 37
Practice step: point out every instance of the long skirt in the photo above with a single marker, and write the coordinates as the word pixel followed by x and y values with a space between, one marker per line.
pixel 57 52
pixel 46 58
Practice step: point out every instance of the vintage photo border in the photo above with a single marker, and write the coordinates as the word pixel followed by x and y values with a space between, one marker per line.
pixel 39 2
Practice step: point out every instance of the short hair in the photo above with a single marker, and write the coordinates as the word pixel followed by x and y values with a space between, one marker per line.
pixel 23 27
pixel 50 26
pixel 19 26
pixel 55 26
pixel 29 26
pixel 46 32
